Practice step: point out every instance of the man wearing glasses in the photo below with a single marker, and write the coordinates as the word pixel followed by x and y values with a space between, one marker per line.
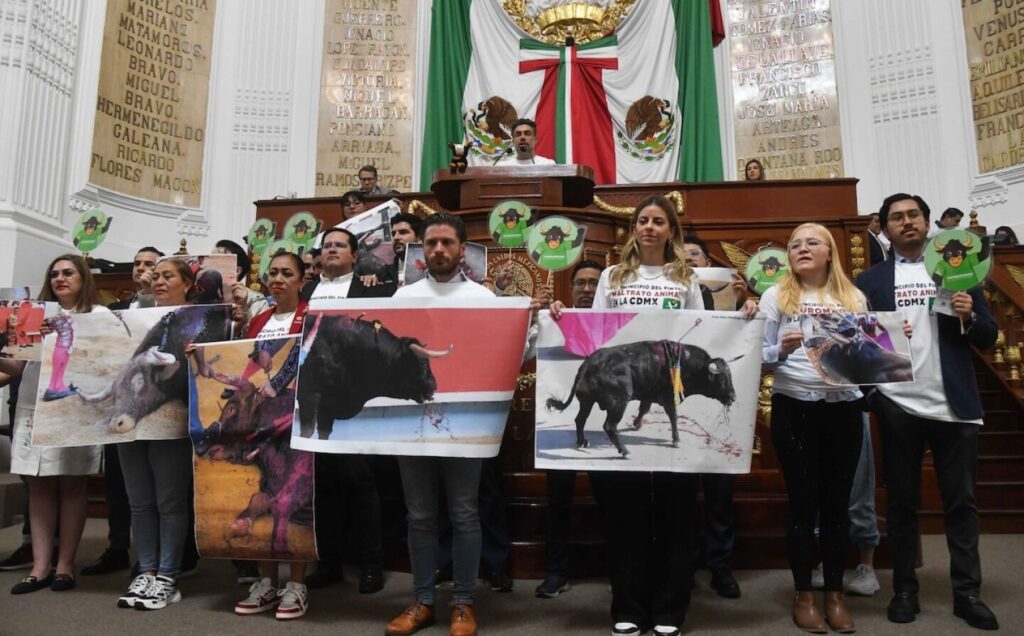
pixel 561 482
pixel 368 183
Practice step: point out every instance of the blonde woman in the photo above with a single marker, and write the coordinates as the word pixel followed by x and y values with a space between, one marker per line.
pixel 817 428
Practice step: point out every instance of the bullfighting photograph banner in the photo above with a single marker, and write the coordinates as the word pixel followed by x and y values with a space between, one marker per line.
pixel 410 376
pixel 20 323
pixel 647 391
pixel 858 348
pixel 111 377
pixel 254 494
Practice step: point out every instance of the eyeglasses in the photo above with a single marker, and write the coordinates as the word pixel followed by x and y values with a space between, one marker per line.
pixel 811 244
pixel 335 245
pixel 900 217
pixel 696 253
pixel 584 283
pixel 66 273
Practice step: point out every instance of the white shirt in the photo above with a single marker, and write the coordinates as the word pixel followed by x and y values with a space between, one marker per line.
pixel 330 290
pixel 514 160
pixel 458 287
pixel 651 288
pixel 926 395
pixel 795 375
pixel 277 326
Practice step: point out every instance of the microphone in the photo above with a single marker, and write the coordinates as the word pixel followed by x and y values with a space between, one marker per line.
pixel 509 150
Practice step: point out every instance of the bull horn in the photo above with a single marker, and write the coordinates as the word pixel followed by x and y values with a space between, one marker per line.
pixel 97 397
pixel 423 352
pixel 939 246
pixel 969 243
pixel 736 358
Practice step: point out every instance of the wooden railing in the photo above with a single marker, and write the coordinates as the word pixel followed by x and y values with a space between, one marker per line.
pixel 1004 291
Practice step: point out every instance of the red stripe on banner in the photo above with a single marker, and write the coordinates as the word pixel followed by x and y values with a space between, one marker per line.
pixel 487 345
pixel 592 141
pixel 545 115
pixel 717 26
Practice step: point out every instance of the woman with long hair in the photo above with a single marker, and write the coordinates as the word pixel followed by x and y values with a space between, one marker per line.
pixel 56 477
pixel 817 427
pixel 648 517
pixel 285 279
pixel 158 479
pixel 754 171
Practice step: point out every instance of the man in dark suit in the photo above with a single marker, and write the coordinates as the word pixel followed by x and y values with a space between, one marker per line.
pixel 877 245
pixel 941 407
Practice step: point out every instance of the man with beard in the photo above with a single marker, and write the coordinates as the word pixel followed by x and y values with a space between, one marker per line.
pixel 444 245
pixel 405 228
pixel 941 407
pixel 524 140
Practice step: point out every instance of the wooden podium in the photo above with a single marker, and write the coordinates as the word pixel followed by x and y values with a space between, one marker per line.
pixel 567 186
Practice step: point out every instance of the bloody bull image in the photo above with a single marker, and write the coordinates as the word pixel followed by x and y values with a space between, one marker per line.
pixel 409 377
pixel 634 391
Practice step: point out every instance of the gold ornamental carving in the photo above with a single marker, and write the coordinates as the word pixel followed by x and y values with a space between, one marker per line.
pixel 857 261
pixel 764 397
pixel 582 20
pixel 416 206
pixel 677 198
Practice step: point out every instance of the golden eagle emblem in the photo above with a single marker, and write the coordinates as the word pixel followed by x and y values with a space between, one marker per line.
pixel 489 127
pixel 650 128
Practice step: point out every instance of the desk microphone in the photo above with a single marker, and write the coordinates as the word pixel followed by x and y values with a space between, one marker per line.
pixel 508 150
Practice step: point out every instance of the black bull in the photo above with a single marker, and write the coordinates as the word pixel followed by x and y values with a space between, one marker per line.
pixel 614 376
pixel 286 476
pixel 353 361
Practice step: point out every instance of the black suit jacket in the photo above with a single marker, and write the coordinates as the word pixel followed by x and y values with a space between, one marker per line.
pixel 878 284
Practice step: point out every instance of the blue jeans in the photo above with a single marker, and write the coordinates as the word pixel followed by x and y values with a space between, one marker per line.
pixel 158 479
pixel 421 479
pixel 863 521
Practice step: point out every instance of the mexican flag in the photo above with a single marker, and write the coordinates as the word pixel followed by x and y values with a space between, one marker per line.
pixel 638 106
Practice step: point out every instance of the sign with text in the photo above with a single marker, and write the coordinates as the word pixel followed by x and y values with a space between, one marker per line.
pixel 366 95
pixel 784 88
pixel 151 105
pixel 994 55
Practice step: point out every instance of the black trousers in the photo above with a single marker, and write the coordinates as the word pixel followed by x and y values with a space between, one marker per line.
pixel 348 510
pixel 719 519
pixel 119 512
pixel 560 484
pixel 955 451
pixel 648 523
pixel 818 445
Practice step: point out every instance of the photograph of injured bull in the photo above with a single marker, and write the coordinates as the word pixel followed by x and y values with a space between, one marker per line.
pixel 650 391
pixel 416 376
pixel 858 348
pixel 113 377
pixel 253 493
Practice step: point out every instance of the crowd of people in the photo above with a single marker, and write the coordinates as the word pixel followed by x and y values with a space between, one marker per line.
pixel 454 506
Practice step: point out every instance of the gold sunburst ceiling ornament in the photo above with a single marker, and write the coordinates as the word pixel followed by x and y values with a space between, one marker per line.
pixel 553 21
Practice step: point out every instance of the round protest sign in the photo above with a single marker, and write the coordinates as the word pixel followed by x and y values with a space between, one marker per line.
pixel 555 243
pixel 301 229
pixel 765 268
pixel 509 223
pixel 260 234
pixel 91 230
pixel 958 260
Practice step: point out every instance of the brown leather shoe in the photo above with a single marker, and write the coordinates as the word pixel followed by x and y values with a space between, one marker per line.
pixel 837 615
pixel 411 620
pixel 463 621
pixel 806 614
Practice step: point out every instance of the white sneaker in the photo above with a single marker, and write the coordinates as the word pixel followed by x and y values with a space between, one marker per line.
pixel 864 581
pixel 818 577
pixel 262 597
pixel 294 601
pixel 625 629
pixel 666 630
pixel 138 588
pixel 162 591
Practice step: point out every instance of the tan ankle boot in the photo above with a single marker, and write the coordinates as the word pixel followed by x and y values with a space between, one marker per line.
pixel 836 614
pixel 806 614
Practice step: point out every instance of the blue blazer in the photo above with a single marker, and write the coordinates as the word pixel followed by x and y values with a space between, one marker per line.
pixel 878 285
